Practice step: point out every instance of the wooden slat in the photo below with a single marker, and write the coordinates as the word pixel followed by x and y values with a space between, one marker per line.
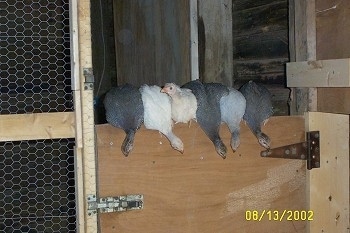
pixel 198 191
pixel 328 186
pixel 323 73
pixel 36 126
pixel 215 41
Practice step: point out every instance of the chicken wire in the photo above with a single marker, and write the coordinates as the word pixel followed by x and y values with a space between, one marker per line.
pixel 35 56
pixel 37 192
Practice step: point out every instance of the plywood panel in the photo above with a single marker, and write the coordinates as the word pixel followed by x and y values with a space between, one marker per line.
pixel 198 191
pixel 328 186
pixel 332 27
pixel 37 126
pixel 322 73
pixel 333 100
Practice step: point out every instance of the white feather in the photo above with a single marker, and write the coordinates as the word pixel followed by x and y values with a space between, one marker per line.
pixel 157 113
pixel 183 103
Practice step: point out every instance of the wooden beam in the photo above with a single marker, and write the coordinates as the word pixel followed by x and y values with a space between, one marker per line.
pixel 323 73
pixel 328 186
pixel 19 127
pixel 302 24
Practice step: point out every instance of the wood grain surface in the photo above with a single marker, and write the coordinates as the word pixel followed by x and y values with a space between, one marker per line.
pixel 198 191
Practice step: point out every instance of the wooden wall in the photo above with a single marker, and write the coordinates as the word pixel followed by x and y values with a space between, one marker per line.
pixel 152 41
pixel 333 36
pixel 198 191
pixel 260 46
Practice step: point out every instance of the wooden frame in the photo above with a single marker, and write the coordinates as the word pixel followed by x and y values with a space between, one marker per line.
pixel 85 169
pixel 19 127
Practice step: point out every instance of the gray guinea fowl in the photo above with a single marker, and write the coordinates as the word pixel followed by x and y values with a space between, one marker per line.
pixel 124 109
pixel 258 110
pixel 232 107
pixel 208 114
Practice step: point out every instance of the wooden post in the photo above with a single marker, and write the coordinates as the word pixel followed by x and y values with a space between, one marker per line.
pixel 328 186
pixel 85 167
pixel 194 39
pixel 302 24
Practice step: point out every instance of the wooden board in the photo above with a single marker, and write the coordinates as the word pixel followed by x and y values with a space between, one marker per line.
pixel 323 73
pixel 332 28
pixel 215 41
pixel 152 40
pixel 19 127
pixel 198 191
pixel 334 100
pixel 328 186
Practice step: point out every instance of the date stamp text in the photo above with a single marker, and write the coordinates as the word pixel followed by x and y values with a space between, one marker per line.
pixel 279 215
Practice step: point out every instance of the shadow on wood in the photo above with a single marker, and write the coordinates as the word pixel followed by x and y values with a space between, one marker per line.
pixel 198 191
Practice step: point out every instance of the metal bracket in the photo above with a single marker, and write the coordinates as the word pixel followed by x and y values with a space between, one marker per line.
pixel 114 204
pixel 89 78
pixel 309 150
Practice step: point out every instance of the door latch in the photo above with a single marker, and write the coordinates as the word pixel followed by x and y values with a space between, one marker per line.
pixel 309 150
pixel 114 204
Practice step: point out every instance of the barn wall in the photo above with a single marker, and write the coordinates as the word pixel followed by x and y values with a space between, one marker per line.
pixel 260 46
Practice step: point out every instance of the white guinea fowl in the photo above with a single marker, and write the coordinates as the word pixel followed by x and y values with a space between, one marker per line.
pixel 183 103
pixel 157 114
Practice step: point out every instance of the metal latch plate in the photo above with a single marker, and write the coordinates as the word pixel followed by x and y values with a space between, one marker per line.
pixel 309 150
pixel 114 204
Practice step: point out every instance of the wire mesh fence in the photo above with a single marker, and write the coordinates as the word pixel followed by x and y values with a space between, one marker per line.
pixel 35 56
pixel 37 192
pixel 37 188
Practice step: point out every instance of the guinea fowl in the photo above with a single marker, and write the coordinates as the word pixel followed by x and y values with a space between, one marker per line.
pixel 157 114
pixel 124 109
pixel 258 110
pixel 232 107
pixel 208 114
pixel 183 103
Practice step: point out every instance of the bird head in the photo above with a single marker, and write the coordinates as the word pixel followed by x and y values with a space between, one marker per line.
pixel 169 88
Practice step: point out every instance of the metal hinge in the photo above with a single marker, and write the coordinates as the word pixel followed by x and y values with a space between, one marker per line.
pixel 309 150
pixel 114 204
pixel 89 78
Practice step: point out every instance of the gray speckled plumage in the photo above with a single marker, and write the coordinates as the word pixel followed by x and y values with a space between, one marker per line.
pixel 124 109
pixel 232 107
pixel 258 109
pixel 208 113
